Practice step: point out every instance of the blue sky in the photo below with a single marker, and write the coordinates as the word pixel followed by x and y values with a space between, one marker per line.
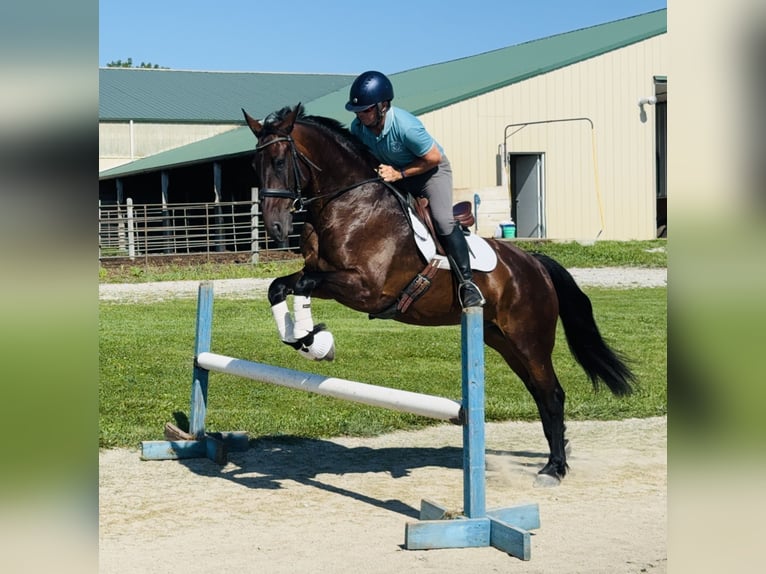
pixel 335 36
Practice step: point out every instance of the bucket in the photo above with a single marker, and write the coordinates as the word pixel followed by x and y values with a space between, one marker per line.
pixel 508 229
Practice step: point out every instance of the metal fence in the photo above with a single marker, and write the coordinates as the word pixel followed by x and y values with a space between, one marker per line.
pixel 178 229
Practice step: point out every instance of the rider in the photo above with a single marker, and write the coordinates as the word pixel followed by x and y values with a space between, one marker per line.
pixel 415 162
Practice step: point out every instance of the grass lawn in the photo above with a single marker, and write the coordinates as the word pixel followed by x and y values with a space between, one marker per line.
pixel 146 355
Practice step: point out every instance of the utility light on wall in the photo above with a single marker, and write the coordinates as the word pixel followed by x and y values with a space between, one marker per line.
pixel 651 100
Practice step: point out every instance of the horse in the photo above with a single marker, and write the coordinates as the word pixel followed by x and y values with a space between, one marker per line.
pixel 358 249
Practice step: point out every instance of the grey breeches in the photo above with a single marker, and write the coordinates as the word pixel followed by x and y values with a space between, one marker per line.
pixel 436 185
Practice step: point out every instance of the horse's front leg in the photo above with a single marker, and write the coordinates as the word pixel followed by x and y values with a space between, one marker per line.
pixel 311 341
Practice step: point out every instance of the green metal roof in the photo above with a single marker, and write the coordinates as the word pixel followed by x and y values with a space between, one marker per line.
pixel 433 87
pixel 147 95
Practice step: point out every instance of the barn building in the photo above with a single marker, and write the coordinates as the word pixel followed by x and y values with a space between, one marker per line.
pixel 143 112
pixel 564 135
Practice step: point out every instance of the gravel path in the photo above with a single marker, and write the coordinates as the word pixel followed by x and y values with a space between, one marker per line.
pixel 615 277
pixel 341 505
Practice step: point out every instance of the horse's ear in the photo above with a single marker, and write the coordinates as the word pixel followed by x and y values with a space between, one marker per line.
pixel 254 124
pixel 290 118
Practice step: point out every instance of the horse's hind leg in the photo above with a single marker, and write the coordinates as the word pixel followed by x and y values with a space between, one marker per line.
pixel 538 376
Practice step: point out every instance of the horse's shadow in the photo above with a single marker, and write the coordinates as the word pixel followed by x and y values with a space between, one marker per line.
pixel 271 460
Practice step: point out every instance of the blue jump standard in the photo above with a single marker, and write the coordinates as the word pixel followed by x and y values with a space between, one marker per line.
pixel 504 528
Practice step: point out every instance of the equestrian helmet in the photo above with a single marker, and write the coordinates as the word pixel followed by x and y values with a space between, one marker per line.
pixel 369 89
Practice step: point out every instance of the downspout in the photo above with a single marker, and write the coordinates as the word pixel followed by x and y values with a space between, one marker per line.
pixel 132 142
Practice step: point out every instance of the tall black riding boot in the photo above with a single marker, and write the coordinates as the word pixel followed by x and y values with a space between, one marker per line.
pixel 457 252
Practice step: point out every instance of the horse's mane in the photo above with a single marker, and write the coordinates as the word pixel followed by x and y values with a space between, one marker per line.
pixel 329 126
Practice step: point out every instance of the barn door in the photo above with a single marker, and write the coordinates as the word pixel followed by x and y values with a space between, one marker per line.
pixel 527 194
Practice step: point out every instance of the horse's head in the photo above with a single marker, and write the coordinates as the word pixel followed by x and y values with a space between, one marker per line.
pixel 291 147
pixel 283 172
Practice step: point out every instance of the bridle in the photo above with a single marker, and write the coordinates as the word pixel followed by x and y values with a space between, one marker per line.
pixel 299 202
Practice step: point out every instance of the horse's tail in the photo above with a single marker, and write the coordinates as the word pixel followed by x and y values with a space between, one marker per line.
pixel 597 359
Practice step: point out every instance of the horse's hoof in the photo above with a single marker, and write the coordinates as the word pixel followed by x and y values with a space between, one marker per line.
pixel 321 349
pixel 546 481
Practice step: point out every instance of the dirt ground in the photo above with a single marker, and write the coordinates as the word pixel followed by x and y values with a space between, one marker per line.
pixel 341 505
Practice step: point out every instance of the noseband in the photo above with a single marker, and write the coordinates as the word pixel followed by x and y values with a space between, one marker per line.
pixel 298 201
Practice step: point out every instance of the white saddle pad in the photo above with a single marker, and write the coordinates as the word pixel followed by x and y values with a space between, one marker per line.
pixel 483 257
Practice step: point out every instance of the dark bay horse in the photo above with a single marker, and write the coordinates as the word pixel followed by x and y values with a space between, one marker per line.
pixel 359 250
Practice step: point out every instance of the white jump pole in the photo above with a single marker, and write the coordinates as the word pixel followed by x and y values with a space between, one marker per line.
pixel 393 399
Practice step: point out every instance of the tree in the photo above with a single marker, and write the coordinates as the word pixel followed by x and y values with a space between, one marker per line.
pixel 129 64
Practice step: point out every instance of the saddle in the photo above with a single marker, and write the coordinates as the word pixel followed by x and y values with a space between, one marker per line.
pixel 461 212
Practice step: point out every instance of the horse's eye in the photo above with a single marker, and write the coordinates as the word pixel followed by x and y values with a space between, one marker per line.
pixel 279 163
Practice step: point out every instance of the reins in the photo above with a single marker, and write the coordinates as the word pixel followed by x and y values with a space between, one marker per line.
pixel 334 194
pixel 299 202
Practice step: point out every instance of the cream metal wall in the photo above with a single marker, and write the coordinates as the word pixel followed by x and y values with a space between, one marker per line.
pixel 605 89
pixel 122 142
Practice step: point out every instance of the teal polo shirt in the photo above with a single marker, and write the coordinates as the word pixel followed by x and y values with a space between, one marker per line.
pixel 403 139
